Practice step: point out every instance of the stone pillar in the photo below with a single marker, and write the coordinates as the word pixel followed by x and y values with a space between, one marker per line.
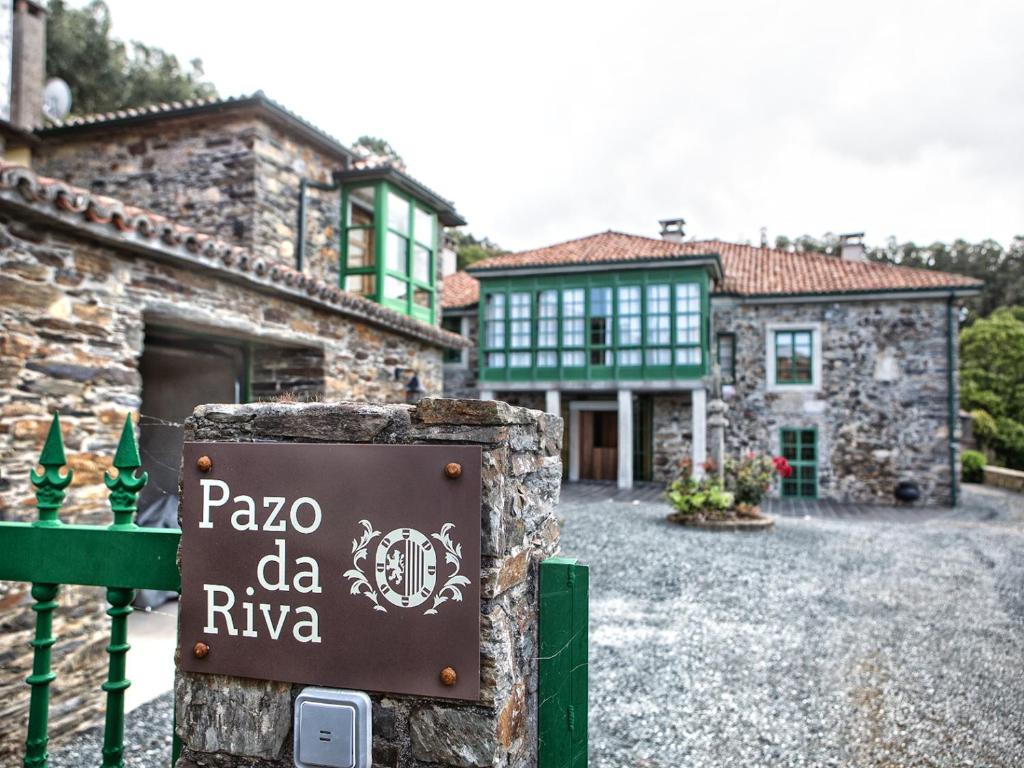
pixel 574 446
pixel 716 433
pixel 625 451
pixel 233 722
pixel 700 437
pixel 553 402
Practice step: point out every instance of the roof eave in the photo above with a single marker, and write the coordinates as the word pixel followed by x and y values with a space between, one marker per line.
pixel 445 208
pixel 711 260
pixel 259 100
pixel 936 291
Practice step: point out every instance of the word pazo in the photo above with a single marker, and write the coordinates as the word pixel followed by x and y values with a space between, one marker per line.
pixel 305 517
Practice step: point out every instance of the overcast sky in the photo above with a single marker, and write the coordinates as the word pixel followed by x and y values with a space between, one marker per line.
pixel 548 121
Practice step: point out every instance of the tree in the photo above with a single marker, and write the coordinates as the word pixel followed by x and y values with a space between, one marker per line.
pixel 377 149
pixel 106 74
pixel 992 381
pixel 471 250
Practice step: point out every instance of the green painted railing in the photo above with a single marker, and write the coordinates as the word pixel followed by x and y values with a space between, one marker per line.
pixel 562 675
pixel 121 557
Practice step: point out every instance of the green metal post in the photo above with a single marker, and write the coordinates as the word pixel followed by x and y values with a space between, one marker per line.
pixel 50 487
pixel 562 684
pixel 124 490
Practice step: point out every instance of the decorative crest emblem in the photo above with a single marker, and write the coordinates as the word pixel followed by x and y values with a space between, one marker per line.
pixel 405 568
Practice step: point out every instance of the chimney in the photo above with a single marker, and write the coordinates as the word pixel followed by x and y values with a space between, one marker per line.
pixel 851 247
pixel 672 229
pixel 447 258
pixel 28 64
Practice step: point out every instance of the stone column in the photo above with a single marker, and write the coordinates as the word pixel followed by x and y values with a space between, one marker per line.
pixel 716 433
pixel 699 447
pixel 233 722
pixel 553 402
pixel 625 450
pixel 574 446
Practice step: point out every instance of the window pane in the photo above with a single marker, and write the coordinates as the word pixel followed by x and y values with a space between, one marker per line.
pixel 548 304
pixel 602 357
pixel 364 285
pixel 519 328
pixel 360 207
pixel 659 357
pixel 452 325
pixel 547 359
pixel 495 359
pixel 547 333
pixel 520 360
pixel 495 306
pixel 727 357
pixel 572 302
pixel 421 264
pixel 395 255
pixel 657 299
pixel 395 288
pixel 629 357
pixel 688 356
pixel 422 297
pixel 398 213
pixel 572 359
pixel 572 333
pixel 360 248
pixel 424 227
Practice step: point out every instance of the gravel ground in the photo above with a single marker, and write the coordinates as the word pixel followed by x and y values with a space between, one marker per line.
pixel 820 643
pixel 824 642
pixel 147 738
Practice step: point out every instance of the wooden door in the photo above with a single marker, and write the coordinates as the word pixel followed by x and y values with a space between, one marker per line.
pixel 599 445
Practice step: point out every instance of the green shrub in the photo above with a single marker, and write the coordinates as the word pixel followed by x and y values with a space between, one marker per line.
pixel 704 497
pixel 983 424
pixel 973 463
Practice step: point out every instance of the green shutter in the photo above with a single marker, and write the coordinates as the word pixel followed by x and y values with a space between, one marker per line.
pixel 562 685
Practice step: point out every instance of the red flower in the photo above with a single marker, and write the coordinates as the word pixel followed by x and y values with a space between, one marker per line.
pixel 782 466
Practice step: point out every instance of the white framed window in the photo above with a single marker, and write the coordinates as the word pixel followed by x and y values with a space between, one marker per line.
pixel 793 357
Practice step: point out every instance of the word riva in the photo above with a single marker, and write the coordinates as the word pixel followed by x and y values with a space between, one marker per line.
pixel 304 516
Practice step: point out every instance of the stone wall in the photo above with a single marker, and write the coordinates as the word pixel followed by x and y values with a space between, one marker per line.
pixel 673 434
pixel 881 413
pixel 74 315
pixel 233 722
pixel 232 176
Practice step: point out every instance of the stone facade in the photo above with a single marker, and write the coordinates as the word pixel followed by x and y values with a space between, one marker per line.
pixel 233 176
pixel 882 409
pixel 233 722
pixel 77 297
pixel 881 413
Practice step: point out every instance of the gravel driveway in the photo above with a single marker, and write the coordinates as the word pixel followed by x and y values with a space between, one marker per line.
pixel 866 640
pixel 825 642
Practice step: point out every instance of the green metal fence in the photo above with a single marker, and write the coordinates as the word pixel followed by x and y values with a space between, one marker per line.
pixel 121 557
pixel 562 683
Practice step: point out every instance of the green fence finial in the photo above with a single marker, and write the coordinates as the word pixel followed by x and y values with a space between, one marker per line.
pixel 126 486
pixel 50 484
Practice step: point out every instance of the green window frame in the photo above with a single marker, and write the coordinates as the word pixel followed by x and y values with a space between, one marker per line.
pixel 794 357
pixel 800 448
pixel 389 249
pixel 725 354
pixel 596 326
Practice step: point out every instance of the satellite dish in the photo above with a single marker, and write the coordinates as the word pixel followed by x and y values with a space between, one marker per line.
pixel 56 99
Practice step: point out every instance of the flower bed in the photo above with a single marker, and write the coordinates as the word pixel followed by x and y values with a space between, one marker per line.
pixel 731 500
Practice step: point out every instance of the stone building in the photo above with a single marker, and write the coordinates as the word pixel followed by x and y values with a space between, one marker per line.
pixel 845 366
pixel 154 259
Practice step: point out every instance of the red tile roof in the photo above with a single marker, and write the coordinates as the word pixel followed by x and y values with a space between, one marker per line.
pixel 749 270
pixel 138 227
pixel 460 290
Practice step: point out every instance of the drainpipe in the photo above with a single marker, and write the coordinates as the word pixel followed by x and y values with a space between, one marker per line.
pixel 300 238
pixel 951 399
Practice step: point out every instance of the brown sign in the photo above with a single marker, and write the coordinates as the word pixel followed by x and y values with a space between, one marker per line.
pixel 348 566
